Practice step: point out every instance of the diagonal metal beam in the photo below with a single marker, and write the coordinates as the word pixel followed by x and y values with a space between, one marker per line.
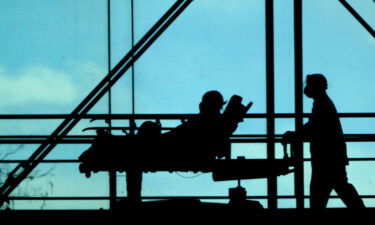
pixel 23 170
pixel 358 17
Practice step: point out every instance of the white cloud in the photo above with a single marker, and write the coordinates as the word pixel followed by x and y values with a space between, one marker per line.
pixel 88 69
pixel 36 84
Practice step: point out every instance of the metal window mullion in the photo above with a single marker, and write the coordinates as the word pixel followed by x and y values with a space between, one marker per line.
pixel 111 174
pixel 270 93
pixel 298 85
pixel 132 44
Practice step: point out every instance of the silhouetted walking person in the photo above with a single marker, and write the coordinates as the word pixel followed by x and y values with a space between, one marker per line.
pixel 328 149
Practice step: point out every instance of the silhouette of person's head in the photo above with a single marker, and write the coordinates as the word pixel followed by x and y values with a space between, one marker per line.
pixel 149 128
pixel 316 85
pixel 211 103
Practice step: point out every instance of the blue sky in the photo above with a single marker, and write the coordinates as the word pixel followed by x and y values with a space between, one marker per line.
pixel 54 52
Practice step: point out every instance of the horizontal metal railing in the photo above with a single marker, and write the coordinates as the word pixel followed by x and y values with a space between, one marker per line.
pixel 85 198
pixel 88 139
pixel 163 116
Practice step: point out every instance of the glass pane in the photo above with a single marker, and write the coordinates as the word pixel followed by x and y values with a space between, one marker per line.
pixel 284 56
pixel 53 53
pixel 59 204
pixel 365 9
pixel 286 203
pixel 121 44
pixel 360 149
pixel 357 125
pixel 361 181
pixel 61 181
pixel 336 45
pixel 181 66
pixel 249 150
pixel 251 126
pixel 285 184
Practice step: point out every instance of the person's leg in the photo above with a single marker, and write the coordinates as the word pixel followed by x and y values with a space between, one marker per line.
pixel 346 191
pixel 320 189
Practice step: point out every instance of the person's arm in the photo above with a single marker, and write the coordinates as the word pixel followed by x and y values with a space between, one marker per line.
pixel 303 133
pixel 306 130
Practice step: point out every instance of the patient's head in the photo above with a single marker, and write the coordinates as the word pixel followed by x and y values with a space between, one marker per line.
pixel 212 102
pixel 149 129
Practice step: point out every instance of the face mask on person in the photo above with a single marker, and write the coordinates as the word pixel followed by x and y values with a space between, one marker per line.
pixel 308 91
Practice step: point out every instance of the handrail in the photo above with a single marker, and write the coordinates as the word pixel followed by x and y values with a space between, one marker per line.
pixel 162 197
pixel 236 138
pixel 10 161
pixel 165 116
pixel 88 139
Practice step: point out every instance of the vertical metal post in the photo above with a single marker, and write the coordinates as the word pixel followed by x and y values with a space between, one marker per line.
pixel 112 188
pixel 111 174
pixel 133 66
pixel 298 85
pixel 270 86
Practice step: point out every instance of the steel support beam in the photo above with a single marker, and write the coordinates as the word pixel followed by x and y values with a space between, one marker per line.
pixel 298 93
pixel 111 174
pixel 270 92
pixel 358 17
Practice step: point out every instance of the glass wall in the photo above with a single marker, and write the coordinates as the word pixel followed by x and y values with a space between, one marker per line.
pixel 55 52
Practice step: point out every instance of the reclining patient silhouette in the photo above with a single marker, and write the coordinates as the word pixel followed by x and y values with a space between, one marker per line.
pixel 204 137
pixel 195 145
pixel 210 130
